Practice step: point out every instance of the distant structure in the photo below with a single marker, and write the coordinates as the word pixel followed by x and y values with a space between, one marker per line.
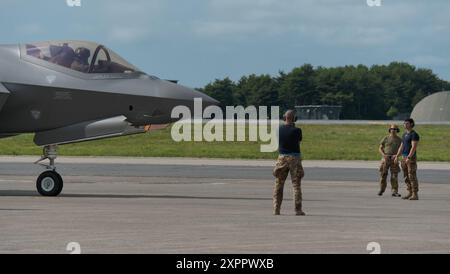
pixel 434 108
pixel 401 116
pixel 318 112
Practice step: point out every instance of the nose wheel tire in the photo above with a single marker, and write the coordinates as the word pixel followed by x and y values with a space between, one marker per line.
pixel 49 184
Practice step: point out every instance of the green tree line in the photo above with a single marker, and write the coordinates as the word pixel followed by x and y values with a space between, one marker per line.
pixel 378 92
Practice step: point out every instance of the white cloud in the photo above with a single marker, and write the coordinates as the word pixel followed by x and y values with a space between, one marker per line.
pixel 132 21
pixel 30 29
pixel 341 22
pixel 226 28
pixel 429 61
pixel 128 34
pixel 260 35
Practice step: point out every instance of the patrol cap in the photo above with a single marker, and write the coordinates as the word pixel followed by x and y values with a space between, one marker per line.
pixel 394 127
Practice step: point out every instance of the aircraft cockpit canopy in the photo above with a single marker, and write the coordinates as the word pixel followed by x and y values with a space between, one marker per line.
pixel 85 57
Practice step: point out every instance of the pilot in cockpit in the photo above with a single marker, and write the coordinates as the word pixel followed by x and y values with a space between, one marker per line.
pixel 36 52
pixel 86 58
pixel 32 50
pixel 81 61
pixel 63 56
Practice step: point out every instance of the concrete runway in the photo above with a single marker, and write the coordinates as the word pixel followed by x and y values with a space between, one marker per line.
pixel 121 205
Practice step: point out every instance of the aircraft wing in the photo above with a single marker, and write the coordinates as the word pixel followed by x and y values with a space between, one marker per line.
pixel 91 130
pixel 4 94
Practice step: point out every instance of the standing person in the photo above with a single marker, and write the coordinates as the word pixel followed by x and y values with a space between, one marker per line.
pixel 408 149
pixel 289 161
pixel 389 147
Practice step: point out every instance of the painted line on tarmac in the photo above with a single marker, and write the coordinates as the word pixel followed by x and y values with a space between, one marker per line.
pixel 213 162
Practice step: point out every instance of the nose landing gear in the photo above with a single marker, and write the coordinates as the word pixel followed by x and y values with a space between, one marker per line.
pixel 49 183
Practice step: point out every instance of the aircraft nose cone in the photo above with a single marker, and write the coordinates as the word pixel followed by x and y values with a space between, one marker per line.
pixel 207 100
pixel 180 92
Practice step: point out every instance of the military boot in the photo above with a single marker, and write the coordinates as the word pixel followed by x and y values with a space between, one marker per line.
pixel 276 211
pixel 395 194
pixel 380 193
pixel 408 196
pixel 298 209
pixel 414 197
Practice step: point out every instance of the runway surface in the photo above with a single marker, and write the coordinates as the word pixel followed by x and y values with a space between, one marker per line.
pixel 121 205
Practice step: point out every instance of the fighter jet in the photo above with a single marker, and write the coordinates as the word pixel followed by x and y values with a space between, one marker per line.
pixel 74 91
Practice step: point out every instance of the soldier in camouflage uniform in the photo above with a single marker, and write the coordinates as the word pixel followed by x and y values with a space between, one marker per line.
pixel 389 146
pixel 289 161
pixel 408 149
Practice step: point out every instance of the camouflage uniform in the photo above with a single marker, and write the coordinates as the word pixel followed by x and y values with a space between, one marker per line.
pixel 390 144
pixel 286 164
pixel 410 174
pixel 410 167
pixel 389 164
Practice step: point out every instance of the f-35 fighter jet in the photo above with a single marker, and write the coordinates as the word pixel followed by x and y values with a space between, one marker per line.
pixel 74 91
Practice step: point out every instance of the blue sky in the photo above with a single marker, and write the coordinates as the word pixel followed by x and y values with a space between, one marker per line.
pixel 197 41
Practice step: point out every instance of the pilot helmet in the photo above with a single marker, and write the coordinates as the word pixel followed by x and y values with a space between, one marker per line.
pixel 83 53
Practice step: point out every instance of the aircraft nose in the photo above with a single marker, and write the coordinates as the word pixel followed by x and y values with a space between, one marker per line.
pixel 207 100
pixel 180 92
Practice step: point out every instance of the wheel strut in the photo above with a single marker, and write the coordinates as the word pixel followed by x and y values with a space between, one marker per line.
pixel 51 153
pixel 49 183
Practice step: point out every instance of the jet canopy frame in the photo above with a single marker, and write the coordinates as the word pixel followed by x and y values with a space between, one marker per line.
pixel 79 58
